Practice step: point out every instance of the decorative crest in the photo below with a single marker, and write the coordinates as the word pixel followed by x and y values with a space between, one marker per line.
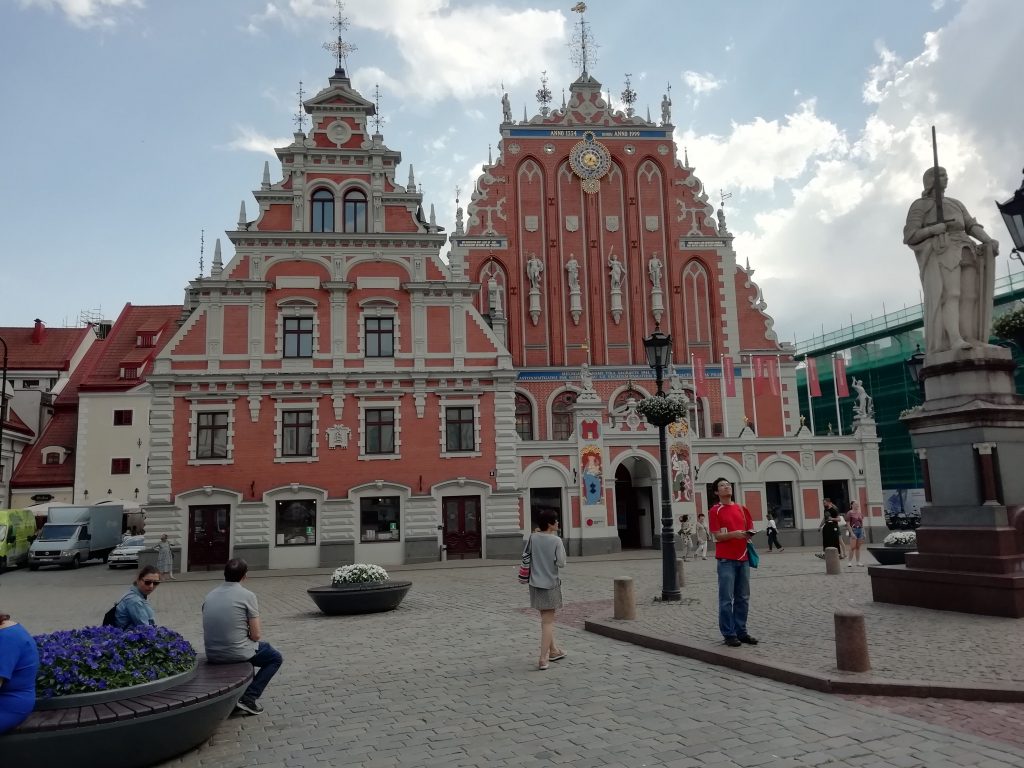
pixel 583 47
pixel 378 121
pixel 544 94
pixel 628 96
pixel 339 48
pixel 300 113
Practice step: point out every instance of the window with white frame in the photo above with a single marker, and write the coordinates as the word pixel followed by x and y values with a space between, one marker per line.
pixel 295 522
pixel 298 336
pixel 297 433
pixel 379 430
pixel 380 518
pixel 563 415
pixel 524 417
pixel 212 435
pixel 380 336
pixel 460 429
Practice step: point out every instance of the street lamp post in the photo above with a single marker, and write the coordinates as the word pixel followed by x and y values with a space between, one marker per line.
pixel 659 351
pixel 1013 215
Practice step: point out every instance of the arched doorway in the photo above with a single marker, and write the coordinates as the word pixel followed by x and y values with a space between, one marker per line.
pixel 634 504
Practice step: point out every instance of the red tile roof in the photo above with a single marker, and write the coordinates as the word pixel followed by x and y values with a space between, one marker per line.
pixel 119 347
pixel 61 430
pixel 54 352
pixel 13 423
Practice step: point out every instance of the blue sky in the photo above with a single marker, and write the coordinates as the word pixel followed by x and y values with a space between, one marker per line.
pixel 131 125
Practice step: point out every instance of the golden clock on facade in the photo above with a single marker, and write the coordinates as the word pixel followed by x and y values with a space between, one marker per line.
pixel 590 160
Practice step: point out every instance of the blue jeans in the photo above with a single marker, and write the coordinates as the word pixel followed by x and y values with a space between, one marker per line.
pixel 267 661
pixel 733 597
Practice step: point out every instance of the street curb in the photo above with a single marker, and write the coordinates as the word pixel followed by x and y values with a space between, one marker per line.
pixel 855 684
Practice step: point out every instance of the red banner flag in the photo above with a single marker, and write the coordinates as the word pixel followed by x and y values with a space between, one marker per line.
pixel 766 375
pixel 813 385
pixel 729 376
pixel 699 378
pixel 839 369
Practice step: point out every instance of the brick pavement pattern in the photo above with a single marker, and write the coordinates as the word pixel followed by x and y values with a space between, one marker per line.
pixel 449 680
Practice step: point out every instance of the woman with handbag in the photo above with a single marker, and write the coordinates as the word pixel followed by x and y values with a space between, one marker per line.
pixel 547 555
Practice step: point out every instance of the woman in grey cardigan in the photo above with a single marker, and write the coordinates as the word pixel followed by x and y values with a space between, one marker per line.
pixel 547 556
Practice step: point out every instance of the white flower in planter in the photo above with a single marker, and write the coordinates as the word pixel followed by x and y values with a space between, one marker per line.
pixel 358 573
pixel 662 410
pixel 901 539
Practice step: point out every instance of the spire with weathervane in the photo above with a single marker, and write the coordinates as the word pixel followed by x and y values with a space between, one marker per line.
pixel 340 48
pixel 582 45
pixel 544 94
pixel 628 96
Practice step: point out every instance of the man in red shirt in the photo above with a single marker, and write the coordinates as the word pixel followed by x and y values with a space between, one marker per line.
pixel 732 526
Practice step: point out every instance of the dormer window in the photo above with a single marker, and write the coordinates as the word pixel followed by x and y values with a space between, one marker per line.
pixel 52 457
pixel 355 211
pixel 323 211
pixel 145 340
pixel 129 372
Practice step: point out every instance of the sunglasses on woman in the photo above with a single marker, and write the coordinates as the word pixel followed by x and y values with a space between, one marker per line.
pixel 151 583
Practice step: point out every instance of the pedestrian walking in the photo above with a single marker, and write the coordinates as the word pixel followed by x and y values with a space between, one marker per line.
pixel 772 532
pixel 855 519
pixel 547 555
pixel 686 531
pixel 164 558
pixel 829 532
pixel 134 609
pixel 732 527
pixel 232 632
pixel 703 534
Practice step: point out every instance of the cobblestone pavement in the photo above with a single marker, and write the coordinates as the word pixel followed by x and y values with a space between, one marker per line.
pixel 448 679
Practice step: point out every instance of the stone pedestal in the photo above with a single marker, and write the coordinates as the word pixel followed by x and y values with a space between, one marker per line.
pixel 969 436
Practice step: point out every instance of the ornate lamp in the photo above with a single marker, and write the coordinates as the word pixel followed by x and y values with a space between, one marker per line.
pixel 659 352
pixel 914 365
pixel 1013 216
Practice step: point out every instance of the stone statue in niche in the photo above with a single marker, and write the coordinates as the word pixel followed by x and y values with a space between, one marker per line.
pixel 534 267
pixel 957 274
pixel 494 297
pixel 865 406
pixel 666 109
pixel 572 267
pixel 506 109
pixel 617 272
pixel 654 270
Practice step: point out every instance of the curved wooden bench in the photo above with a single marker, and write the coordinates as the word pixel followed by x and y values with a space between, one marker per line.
pixel 139 731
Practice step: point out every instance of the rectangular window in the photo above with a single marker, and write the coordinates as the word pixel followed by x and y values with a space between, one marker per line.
pixel 380 337
pixel 380 519
pixel 123 418
pixel 120 466
pixel 145 340
pixel 30 384
pixel 298 337
pixel 380 430
pixel 459 430
pixel 296 522
pixel 130 372
pixel 212 435
pixel 52 458
pixel 297 433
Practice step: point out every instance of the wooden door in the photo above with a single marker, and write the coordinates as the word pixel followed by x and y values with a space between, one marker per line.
pixel 209 536
pixel 461 526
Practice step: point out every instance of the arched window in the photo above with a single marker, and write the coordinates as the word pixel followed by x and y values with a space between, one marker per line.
pixel 562 416
pixel 524 417
pixel 696 307
pixel 355 211
pixel 323 211
pixel 623 397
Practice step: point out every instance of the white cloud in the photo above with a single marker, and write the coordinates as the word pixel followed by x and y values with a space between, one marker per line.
pixel 87 13
pixel 699 84
pixel 250 140
pixel 828 242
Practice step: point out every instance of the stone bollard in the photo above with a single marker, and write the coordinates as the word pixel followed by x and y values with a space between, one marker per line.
pixel 680 574
pixel 625 598
pixel 832 561
pixel 851 641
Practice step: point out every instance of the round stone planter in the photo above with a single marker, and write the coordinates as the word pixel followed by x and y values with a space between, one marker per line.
pixel 348 599
pixel 890 555
pixel 102 697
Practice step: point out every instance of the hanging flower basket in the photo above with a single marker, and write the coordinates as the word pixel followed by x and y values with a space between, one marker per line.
pixel 662 410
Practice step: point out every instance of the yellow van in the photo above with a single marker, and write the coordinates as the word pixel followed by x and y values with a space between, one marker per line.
pixel 17 529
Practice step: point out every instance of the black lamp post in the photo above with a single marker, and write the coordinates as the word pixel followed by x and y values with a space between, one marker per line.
pixel 3 415
pixel 914 365
pixel 659 352
pixel 1013 215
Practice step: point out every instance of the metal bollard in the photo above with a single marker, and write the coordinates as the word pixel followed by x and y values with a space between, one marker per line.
pixel 680 575
pixel 832 561
pixel 625 598
pixel 851 641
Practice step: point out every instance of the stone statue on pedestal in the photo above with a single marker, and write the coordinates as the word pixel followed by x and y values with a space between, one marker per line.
pixel 534 267
pixel 573 268
pixel 506 109
pixel 957 274
pixel 865 406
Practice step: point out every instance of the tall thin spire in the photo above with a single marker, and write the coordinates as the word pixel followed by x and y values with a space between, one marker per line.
pixel 544 94
pixel 411 187
pixel 265 184
pixel 202 248
pixel 582 46
pixel 243 222
pixel 378 121
pixel 218 266
pixel 339 47
pixel 489 160
pixel 300 113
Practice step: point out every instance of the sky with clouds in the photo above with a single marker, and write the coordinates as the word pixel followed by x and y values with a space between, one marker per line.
pixel 132 125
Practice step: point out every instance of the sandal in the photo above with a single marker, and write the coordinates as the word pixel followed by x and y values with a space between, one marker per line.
pixel 558 656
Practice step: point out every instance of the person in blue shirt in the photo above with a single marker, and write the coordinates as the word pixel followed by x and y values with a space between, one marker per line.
pixel 134 610
pixel 19 665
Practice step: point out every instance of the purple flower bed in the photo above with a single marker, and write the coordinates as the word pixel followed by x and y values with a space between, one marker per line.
pixel 101 658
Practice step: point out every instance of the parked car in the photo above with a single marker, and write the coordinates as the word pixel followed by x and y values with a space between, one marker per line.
pixel 127 552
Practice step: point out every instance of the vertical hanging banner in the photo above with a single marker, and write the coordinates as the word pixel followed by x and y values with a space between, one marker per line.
pixel 699 378
pixel 839 369
pixel 813 385
pixel 729 376
pixel 766 375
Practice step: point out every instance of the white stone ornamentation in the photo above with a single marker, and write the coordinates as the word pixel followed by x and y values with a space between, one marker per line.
pixel 337 436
